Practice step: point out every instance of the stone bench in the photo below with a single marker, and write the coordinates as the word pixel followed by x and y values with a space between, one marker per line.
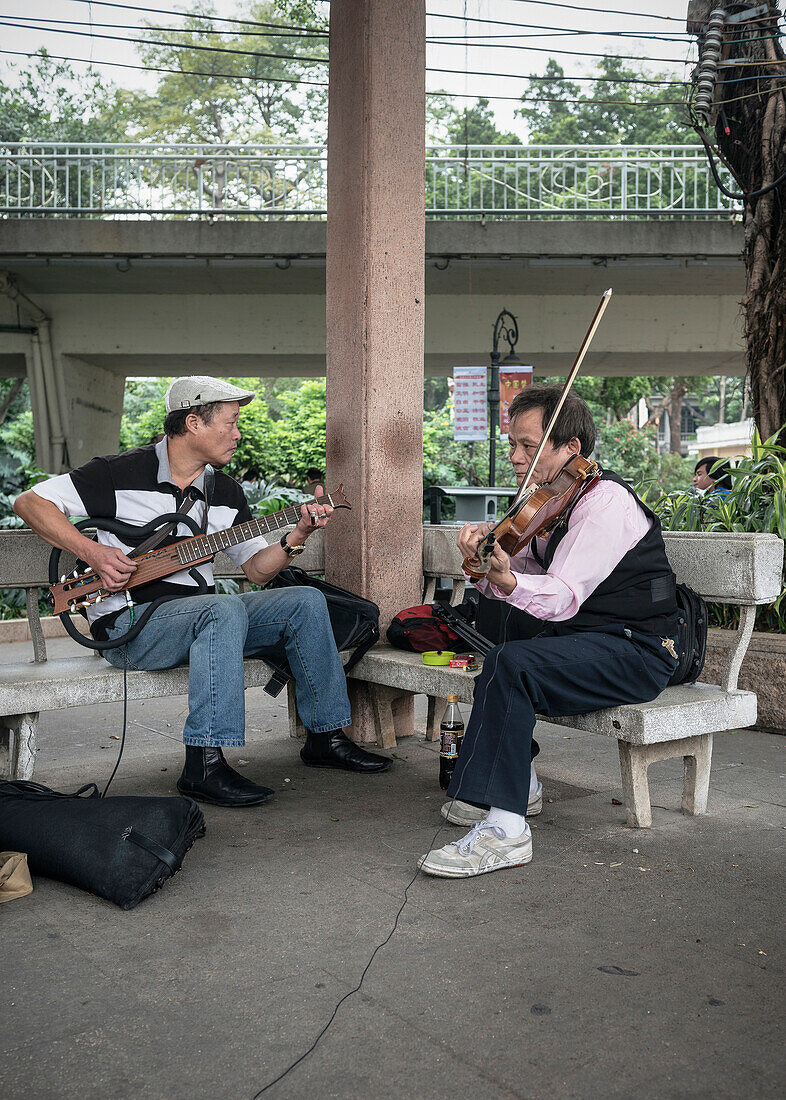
pixel 739 569
pixel 29 687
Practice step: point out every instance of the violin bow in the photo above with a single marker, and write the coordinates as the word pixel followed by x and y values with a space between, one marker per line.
pixel 574 370
pixel 484 550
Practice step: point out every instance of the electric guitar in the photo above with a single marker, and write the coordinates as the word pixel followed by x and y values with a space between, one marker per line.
pixel 82 589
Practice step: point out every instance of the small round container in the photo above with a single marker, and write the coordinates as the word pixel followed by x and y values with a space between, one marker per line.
pixel 438 657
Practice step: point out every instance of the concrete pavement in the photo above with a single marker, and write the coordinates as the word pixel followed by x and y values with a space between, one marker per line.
pixel 618 963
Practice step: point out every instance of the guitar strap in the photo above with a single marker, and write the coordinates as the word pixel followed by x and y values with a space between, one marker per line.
pixel 188 502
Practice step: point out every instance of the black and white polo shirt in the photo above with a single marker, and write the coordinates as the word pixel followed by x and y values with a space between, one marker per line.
pixel 137 487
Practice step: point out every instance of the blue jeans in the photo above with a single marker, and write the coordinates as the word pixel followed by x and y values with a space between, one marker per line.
pixel 213 633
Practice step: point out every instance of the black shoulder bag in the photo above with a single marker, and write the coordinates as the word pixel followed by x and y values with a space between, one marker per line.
pixel 692 623
pixel 355 623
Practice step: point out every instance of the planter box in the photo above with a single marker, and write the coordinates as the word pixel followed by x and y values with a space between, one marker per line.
pixel 18 630
pixel 763 671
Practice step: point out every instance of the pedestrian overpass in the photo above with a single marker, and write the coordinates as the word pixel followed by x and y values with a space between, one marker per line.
pixel 165 260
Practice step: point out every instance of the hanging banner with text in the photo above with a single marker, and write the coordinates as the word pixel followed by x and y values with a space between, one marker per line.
pixel 470 410
pixel 512 381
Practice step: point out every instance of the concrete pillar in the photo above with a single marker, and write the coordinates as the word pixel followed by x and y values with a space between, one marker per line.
pixel 44 455
pixel 95 409
pixel 375 301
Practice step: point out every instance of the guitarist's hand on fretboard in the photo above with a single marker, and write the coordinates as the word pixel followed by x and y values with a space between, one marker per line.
pixel 313 515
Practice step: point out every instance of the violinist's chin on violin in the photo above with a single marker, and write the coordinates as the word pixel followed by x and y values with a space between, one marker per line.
pixel 550 470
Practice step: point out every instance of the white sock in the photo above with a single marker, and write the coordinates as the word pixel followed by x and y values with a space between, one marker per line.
pixel 533 781
pixel 513 825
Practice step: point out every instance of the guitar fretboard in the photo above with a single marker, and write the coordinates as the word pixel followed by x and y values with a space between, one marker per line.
pixel 202 546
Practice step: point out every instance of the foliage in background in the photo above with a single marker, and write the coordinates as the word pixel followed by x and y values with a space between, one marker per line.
pixel 611 398
pixel 297 439
pixel 447 462
pixel 627 450
pixel 631 453
pixel 267 497
pixel 202 99
pixel 282 429
pixel 756 502
pixel 18 470
pixel 593 120
pixel 51 101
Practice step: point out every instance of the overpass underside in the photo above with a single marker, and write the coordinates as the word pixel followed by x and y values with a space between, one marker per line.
pixel 229 298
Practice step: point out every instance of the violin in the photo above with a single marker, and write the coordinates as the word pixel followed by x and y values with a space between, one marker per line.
pixel 536 509
pixel 536 513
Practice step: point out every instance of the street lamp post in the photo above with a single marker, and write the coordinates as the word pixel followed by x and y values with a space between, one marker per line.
pixel 505 327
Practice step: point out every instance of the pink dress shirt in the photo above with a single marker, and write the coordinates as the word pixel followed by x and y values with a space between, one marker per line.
pixel 603 527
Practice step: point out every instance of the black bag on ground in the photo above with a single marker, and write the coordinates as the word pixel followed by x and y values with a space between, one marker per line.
pixel 355 623
pixel 121 848
pixel 692 626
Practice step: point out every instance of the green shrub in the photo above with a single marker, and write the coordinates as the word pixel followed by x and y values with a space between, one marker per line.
pixel 756 502
pixel 631 452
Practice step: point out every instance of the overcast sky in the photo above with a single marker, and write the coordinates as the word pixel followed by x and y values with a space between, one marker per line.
pixel 546 23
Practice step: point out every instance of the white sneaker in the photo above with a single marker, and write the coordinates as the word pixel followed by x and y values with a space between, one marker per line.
pixel 485 848
pixel 463 813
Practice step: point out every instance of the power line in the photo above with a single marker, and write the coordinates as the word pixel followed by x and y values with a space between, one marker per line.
pixel 467 40
pixel 530 76
pixel 199 15
pixel 445 40
pixel 599 11
pixel 514 23
pixel 321 60
pixel 453 40
pixel 619 57
pixel 164 42
pixel 565 79
pixel 163 69
pixel 324 84
pixel 179 30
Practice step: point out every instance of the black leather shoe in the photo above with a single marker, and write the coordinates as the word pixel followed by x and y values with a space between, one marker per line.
pixel 335 750
pixel 208 778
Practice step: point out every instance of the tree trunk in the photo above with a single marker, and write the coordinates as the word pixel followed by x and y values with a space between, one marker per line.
pixel 755 150
pixel 675 415
pixel 722 400
pixel 15 389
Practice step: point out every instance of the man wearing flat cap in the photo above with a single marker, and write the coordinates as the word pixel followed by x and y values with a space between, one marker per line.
pixel 209 632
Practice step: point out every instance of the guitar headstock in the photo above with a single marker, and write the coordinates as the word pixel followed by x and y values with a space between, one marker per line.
pixel 76 593
pixel 336 499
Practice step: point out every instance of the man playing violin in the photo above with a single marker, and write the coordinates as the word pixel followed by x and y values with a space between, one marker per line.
pixel 588 620
pixel 209 632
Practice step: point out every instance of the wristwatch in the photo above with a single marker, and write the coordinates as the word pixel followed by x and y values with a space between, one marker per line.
pixel 290 551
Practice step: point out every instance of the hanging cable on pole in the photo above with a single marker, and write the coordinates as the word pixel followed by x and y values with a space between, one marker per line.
pixel 708 66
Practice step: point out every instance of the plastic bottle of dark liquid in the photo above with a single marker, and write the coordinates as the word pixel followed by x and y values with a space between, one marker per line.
pixel 451 734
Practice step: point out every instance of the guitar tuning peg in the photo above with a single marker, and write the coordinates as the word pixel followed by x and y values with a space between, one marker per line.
pixel 62 579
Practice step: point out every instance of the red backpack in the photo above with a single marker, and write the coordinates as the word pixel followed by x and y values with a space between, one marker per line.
pixel 418 630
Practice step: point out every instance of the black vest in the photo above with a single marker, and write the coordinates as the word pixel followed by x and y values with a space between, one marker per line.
pixel 640 591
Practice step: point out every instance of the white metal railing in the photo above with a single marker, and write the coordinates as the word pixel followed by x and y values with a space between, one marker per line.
pixel 126 180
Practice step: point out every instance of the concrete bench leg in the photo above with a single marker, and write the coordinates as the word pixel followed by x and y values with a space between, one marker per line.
pixel 394 714
pixel 18 745
pixel 436 708
pixel 696 782
pixel 635 759
pixel 296 727
pixel 633 765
